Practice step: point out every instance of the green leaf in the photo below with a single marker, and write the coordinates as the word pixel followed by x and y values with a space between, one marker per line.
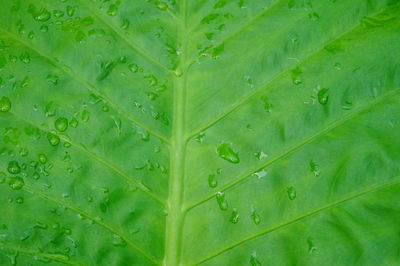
pixel 212 132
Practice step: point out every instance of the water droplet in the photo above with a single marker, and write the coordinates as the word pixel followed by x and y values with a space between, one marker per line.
pixel 222 203
pixel 19 200
pixel 200 137
pixel 5 104
pixel 226 152
pixel 36 175
pixel 14 168
pixel 42 158
pixel 152 96
pixel 254 261
pixel 313 16
pixel 337 66
pixel 314 168
pixel 118 241
pixel 291 193
pixel 112 10
pixel 267 104
pixel 323 96
pixel 178 72
pixel 53 79
pixel 71 10
pixel 260 174
pixel 41 15
pixel 255 217
pixel 61 124
pixel 125 24
pixel 295 75
pixel 73 122
pixel 133 68
pixel 85 116
pixel 161 5
pixel 234 216
pixel 260 155
pixel 54 140
pixel 16 183
pixel 58 13
pixel 347 105
pixel 311 246
pixel 212 181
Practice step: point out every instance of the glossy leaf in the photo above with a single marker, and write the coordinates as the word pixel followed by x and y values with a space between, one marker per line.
pixel 212 132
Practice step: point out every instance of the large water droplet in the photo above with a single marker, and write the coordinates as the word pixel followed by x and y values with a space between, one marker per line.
pixel 42 158
pixel 16 183
pixel 222 203
pixel 13 167
pixel 226 152
pixel 41 15
pixel 61 124
pixel 5 104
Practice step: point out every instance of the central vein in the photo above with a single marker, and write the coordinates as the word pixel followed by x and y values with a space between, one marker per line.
pixel 177 153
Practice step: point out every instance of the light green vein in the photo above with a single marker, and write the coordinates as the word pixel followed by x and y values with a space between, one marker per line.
pixel 372 189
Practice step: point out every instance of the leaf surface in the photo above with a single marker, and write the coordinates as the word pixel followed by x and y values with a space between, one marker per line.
pixel 209 132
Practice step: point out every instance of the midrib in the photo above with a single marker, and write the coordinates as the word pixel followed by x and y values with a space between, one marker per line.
pixel 174 221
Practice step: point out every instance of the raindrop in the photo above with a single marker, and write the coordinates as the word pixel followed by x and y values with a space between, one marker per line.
pixel 112 10
pixel 222 203
pixel 125 24
pixel 36 175
pixel 118 241
pixel 234 216
pixel 19 200
pixel 323 96
pixel 311 246
pixel 41 15
pixel 314 168
pixel 54 140
pixel 255 217
pixel 85 116
pixel 212 181
pixel 5 104
pixel 254 261
pixel 133 68
pixel 161 5
pixel 291 193
pixel 260 155
pixel 200 137
pixel 295 75
pixel 73 122
pixel 267 104
pixel 226 152
pixel 13 167
pixel 42 158
pixel 260 174
pixel 16 183
pixel 61 124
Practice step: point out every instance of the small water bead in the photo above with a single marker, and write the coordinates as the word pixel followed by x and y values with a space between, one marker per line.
pixel 42 158
pixel 161 5
pixel 67 144
pixel 118 241
pixel 58 13
pixel 23 152
pixel 234 216
pixel 133 68
pixel 36 175
pixel 5 104
pixel 255 217
pixel 152 96
pixel 44 28
pixel 291 193
pixel 73 122
pixel 323 96
pixel 54 140
pixel 200 137
pixel 267 105
pixel 260 174
pixel 260 155
pixel 16 183
pixel 85 116
pixel 314 168
pixel 225 151
pixel 13 167
pixel 125 24
pixel 254 261
pixel 295 75
pixel 71 10
pixel 19 200
pixel 212 181
pixel 112 10
pixel 222 203
pixel 61 124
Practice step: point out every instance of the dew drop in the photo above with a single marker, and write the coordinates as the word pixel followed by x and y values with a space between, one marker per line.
pixel 311 246
pixel 267 105
pixel 260 155
pixel 314 168
pixel 226 152
pixel 14 168
pixel 112 10
pixel 85 116
pixel 42 158
pixel 41 15
pixel 212 181
pixel 3 177
pixel 73 122
pixel 61 124
pixel 323 96
pixel 16 183
pixel 36 175
pixel 19 200
pixel 133 68
pixel 118 241
pixel 5 104
pixel 54 140
pixel 125 24
pixel 291 193
pixel 295 75
pixel 260 174
pixel 234 216
pixel 200 137
pixel 162 6
pixel 255 217
pixel 222 203
pixel 254 261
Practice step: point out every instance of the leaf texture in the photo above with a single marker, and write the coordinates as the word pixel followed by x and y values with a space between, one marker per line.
pixel 212 132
